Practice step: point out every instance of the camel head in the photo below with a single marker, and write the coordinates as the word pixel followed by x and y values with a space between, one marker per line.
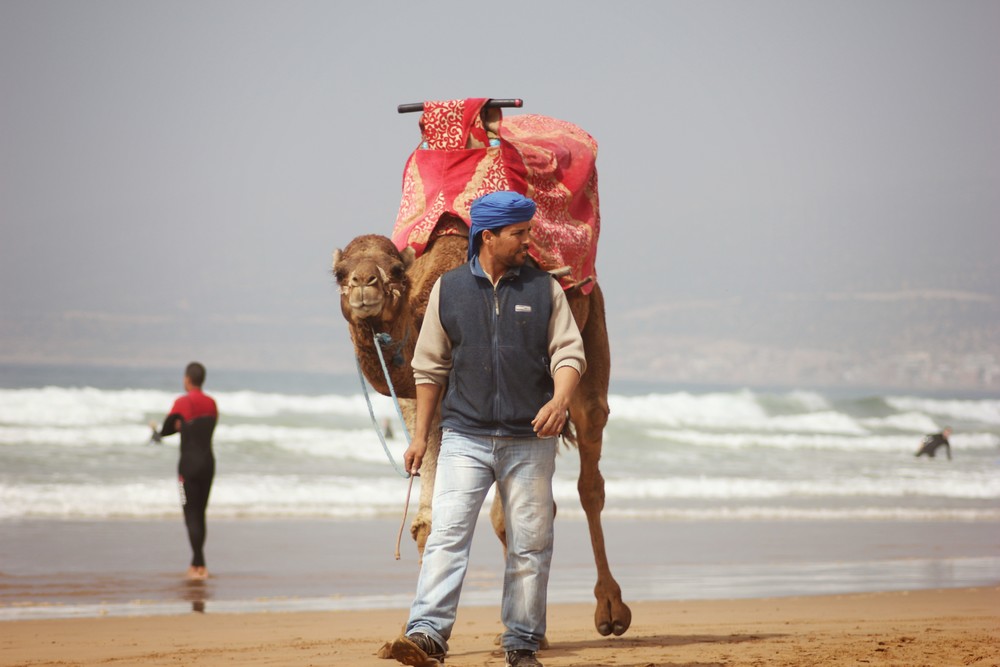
pixel 371 274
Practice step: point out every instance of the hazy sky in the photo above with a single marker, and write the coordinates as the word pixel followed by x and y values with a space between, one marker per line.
pixel 175 175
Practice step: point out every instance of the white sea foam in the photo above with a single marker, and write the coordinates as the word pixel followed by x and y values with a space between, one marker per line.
pixel 796 441
pixel 808 401
pixel 985 486
pixel 986 411
pixel 684 408
pixel 58 406
pixel 232 496
pixel 255 404
pixel 241 496
pixel 78 453
pixel 77 436
pixel 768 513
pixel 732 412
pixel 912 422
pixel 61 406
pixel 356 444
pixel 807 441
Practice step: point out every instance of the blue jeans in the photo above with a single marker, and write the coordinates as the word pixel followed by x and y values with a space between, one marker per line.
pixel 467 468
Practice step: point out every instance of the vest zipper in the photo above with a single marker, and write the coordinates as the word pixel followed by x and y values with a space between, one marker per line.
pixel 496 356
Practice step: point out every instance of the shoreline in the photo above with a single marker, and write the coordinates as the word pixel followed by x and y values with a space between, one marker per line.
pixel 126 568
pixel 928 627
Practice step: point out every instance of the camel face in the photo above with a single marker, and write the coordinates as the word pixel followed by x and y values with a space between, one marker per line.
pixel 371 275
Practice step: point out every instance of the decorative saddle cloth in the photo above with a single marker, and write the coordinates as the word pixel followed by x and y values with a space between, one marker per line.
pixel 551 161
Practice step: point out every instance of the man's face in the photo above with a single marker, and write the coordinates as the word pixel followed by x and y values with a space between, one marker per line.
pixel 510 244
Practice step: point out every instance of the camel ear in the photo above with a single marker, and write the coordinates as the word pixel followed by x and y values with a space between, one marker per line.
pixel 409 255
pixel 336 257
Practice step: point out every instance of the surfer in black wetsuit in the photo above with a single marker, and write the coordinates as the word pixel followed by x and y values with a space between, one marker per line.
pixel 194 416
pixel 932 442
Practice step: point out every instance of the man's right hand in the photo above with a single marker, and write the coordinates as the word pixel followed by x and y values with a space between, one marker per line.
pixel 414 455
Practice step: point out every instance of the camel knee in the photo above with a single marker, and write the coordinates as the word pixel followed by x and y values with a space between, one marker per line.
pixel 591 490
pixel 590 417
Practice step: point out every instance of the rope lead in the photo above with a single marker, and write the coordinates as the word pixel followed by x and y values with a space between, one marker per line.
pixel 380 340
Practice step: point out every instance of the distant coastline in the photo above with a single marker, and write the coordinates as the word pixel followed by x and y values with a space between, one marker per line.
pixel 16 373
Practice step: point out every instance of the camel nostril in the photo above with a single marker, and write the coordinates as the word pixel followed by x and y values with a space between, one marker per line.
pixel 371 280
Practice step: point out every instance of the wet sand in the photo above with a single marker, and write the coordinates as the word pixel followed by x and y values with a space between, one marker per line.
pixel 932 627
pixel 53 569
pixel 311 592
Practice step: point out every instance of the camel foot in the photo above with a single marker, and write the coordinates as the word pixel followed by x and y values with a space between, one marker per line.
pixel 612 617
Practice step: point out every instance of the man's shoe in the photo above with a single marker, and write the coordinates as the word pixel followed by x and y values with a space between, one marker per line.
pixel 417 650
pixel 522 658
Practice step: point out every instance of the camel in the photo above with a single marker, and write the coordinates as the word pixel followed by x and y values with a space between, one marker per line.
pixel 384 290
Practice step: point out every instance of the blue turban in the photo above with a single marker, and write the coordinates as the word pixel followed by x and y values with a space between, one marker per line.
pixel 496 210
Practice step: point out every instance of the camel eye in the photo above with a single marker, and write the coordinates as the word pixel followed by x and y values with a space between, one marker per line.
pixel 397 271
pixel 340 275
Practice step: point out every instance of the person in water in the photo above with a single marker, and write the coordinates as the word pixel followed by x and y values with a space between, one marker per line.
pixel 932 442
pixel 194 416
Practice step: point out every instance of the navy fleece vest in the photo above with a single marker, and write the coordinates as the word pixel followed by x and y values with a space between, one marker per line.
pixel 500 374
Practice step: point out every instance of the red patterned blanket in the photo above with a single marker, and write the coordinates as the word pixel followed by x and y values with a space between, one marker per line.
pixel 548 160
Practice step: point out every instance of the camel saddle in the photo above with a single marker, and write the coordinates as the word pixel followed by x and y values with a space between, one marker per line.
pixel 460 158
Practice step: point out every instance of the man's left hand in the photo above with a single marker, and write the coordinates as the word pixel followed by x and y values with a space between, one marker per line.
pixel 551 419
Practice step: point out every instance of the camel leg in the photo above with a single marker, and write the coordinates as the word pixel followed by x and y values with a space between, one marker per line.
pixel 589 414
pixel 497 520
pixel 420 528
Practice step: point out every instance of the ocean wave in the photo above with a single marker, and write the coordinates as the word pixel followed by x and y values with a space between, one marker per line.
pixel 353 444
pixel 981 486
pixel 256 404
pixel 349 444
pixel 684 408
pixel 729 412
pixel 744 409
pixel 806 441
pixel 764 513
pixel 58 406
pixel 62 406
pixel 234 496
pixel 77 436
pixel 242 495
pixel 796 401
pixel 985 411
pixel 912 422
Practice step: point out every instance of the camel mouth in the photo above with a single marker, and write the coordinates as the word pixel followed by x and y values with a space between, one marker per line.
pixel 368 298
pixel 364 311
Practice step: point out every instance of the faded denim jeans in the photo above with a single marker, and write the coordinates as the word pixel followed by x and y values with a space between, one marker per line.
pixel 467 468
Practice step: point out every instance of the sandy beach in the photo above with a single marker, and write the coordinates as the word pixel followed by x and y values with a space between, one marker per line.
pixel 712 594
pixel 936 628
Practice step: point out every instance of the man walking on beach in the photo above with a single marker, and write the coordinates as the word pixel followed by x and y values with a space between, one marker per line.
pixel 499 342
pixel 194 416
